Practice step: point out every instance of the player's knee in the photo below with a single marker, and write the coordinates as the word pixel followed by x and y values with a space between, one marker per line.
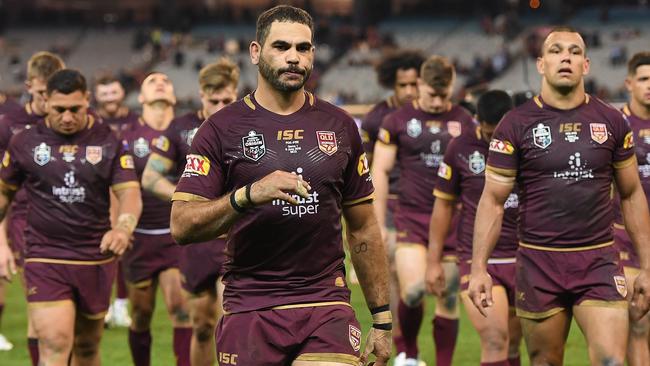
pixel 639 329
pixel 494 340
pixel 204 331
pixel 539 358
pixel 412 296
pixel 610 361
pixel 55 342
pixel 141 317
pixel 179 314
pixel 86 348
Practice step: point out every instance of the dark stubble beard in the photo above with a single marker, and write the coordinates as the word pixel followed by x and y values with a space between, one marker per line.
pixel 273 76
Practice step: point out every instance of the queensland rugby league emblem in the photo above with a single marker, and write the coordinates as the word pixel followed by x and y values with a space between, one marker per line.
pixel 253 145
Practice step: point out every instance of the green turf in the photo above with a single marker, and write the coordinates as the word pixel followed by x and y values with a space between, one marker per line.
pixel 115 350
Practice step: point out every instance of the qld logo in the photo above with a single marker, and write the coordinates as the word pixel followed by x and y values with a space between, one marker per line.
pixel 414 127
pixel 42 154
pixel 542 136
pixel 253 145
pixel 327 142
pixel 476 162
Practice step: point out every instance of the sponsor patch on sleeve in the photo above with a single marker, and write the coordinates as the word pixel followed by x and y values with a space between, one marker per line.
pixel 503 147
pixel 384 136
pixel 444 171
pixel 161 143
pixel 363 167
pixel 628 141
pixel 6 159
pixel 126 162
pixel 196 165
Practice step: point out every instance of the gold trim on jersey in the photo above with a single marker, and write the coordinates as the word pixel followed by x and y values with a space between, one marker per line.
pixel 187 197
pixel 625 163
pixel 538 102
pixel 620 304
pixel 4 186
pixel 28 108
pixel 124 185
pixel 69 261
pixel 587 99
pixel 626 110
pixel 311 99
pixel 443 195
pixel 409 244
pixel 140 284
pixel 97 316
pixel 449 258
pixel 537 315
pixel 416 105
pixel 508 173
pixel 478 132
pixel 47 304
pixel 391 102
pixel 570 249
pixel 387 144
pixel 619 226
pixel 329 357
pixel 310 305
pixel 369 197
pixel 249 102
pixel 91 121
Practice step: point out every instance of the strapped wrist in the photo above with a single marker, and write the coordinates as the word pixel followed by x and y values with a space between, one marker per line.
pixel 126 222
pixel 382 318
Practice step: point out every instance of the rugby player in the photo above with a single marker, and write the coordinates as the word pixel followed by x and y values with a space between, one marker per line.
pixel 109 97
pixel 201 264
pixel 461 179
pixel 637 111
pixel 285 300
pixel 565 149
pixel 8 105
pixel 39 68
pixel 68 163
pixel 398 72
pixel 154 259
pixel 415 137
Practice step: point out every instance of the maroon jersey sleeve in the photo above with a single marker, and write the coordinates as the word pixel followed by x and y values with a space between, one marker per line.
pixel 165 145
pixel 123 173
pixel 503 157
pixel 5 133
pixel 624 152
pixel 11 173
pixel 358 184
pixel 203 176
pixel 448 186
pixel 389 130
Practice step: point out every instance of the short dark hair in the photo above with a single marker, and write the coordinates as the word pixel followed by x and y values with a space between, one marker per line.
pixel 281 13
pixel 639 59
pixel 107 79
pixel 492 105
pixel 437 72
pixel 560 29
pixel 66 81
pixel 397 60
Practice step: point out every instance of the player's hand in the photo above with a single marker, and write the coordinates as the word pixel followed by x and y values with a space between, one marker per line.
pixel 116 241
pixel 279 185
pixel 640 303
pixel 434 279
pixel 7 263
pixel 379 343
pixel 480 290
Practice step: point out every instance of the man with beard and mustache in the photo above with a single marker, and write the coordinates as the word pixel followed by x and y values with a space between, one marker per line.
pixel 565 149
pixel 200 264
pixel 276 171
pixel 109 95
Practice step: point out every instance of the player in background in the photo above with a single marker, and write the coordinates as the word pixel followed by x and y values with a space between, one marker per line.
pixel 637 111
pixel 565 149
pixel 398 71
pixel 415 138
pixel 154 259
pixel 8 105
pixel 285 268
pixel 68 163
pixel 461 179
pixel 109 98
pixel 39 68
pixel 201 264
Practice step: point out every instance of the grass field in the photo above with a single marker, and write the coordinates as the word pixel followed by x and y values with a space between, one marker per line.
pixel 115 350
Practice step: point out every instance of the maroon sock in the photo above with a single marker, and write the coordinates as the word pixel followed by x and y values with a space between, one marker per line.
pixel 122 292
pixel 410 320
pixel 140 344
pixel 32 346
pixel 514 361
pixel 2 307
pixel 445 332
pixel 398 340
pixel 497 363
pixel 182 341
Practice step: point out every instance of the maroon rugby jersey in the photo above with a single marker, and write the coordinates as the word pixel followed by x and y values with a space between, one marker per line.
pixel 280 254
pixel 370 130
pixel 175 142
pixel 421 140
pixel 8 105
pixel 462 177
pixel 139 139
pixel 564 161
pixel 120 124
pixel 67 180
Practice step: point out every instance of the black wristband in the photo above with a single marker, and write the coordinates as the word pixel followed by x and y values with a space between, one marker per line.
pixel 384 326
pixel 379 309
pixel 248 194
pixel 233 203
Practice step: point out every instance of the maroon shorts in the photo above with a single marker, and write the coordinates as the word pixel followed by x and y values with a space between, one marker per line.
pixel 502 272
pixel 202 265
pixel 413 228
pixel 277 337
pixel 551 281
pixel 626 250
pixel 150 255
pixel 88 285
pixel 16 225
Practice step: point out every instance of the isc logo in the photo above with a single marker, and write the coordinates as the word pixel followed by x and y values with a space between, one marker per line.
pixel 290 135
pixel 570 127
pixel 227 358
